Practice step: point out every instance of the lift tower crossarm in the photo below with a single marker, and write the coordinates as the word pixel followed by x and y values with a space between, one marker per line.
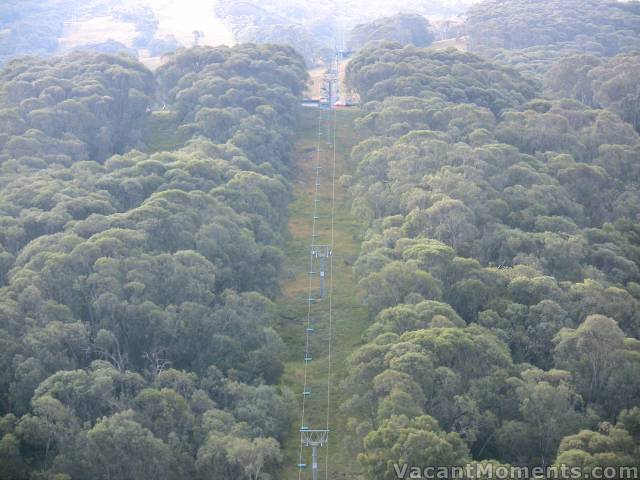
pixel 314 439
pixel 322 253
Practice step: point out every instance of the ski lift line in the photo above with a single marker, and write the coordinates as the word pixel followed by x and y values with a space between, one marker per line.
pixel 332 228
pixel 307 437
pixel 308 329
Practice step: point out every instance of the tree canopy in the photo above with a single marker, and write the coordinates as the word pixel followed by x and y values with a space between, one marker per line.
pixel 135 288
pixel 406 29
pixel 499 263
pixel 143 217
pixel 531 33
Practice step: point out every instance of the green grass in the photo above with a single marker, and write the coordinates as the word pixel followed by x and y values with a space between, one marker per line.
pixel 161 133
pixel 350 318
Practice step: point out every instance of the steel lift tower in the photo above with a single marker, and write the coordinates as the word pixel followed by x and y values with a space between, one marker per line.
pixel 322 253
pixel 313 439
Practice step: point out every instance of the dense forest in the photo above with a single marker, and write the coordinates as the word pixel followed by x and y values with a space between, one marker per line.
pixel 498 191
pixel 135 301
pixel 531 34
pixel 501 262
pixel 406 29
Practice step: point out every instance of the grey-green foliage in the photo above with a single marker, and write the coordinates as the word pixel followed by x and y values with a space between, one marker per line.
pixel 79 107
pixel 604 84
pixel 521 24
pixel 503 221
pixel 531 34
pixel 245 95
pixel 390 70
pixel 406 29
pixel 136 324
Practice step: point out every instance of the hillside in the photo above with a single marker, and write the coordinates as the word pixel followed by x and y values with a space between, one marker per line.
pixel 206 275
pixel 500 255
pixel 139 264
